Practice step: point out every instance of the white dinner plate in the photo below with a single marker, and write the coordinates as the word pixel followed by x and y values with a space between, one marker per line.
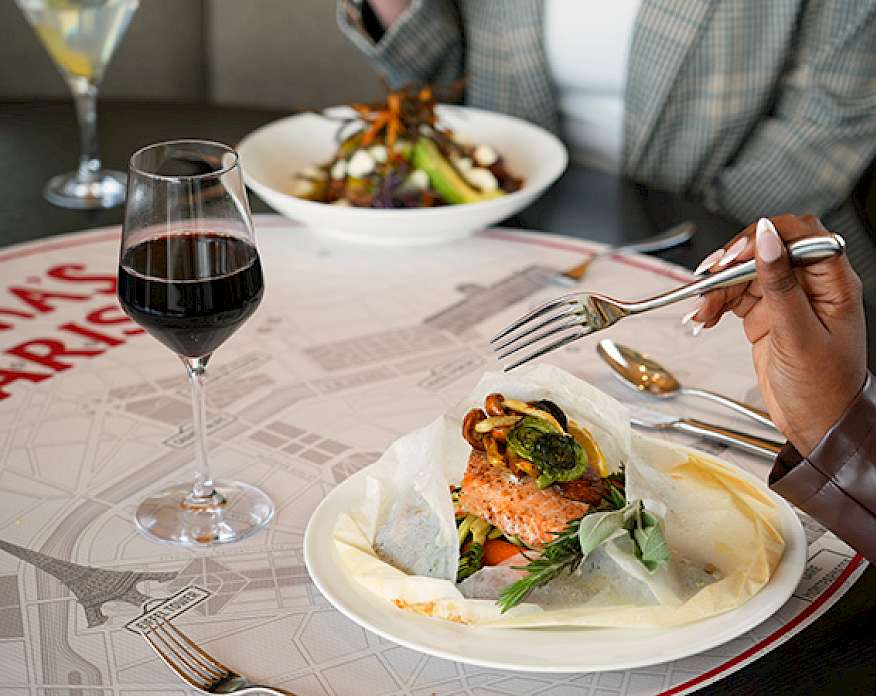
pixel 273 154
pixel 538 649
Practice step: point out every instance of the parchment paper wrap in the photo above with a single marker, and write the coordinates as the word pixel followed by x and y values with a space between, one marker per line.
pixel 723 530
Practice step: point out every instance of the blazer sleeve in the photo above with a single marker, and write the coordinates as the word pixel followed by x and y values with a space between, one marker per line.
pixel 836 483
pixel 425 44
pixel 819 133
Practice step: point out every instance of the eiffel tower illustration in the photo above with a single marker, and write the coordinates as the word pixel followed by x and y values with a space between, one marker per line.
pixel 92 587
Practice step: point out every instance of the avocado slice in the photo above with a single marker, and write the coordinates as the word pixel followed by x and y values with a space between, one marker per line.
pixel 443 177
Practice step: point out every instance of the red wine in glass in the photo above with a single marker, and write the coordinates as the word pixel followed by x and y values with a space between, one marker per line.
pixel 191 290
pixel 189 273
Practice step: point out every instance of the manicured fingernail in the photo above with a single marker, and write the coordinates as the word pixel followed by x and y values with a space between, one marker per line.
pixel 709 261
pixel 698 305
pixel 733 252
pixel 697 329
pixel 769 245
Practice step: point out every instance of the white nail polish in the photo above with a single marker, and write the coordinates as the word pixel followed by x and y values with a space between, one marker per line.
pixel 697 329
pixel 767 241
pixel 709 261
pixel 698 305
pixel 733 252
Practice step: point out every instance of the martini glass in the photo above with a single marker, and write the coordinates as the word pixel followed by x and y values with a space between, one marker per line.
pixel 81 36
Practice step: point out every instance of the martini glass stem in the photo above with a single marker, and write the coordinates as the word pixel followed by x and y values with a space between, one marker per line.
pixel 85 97
pixel 203 491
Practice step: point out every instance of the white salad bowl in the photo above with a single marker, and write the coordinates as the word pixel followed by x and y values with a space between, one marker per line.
pixel 272 155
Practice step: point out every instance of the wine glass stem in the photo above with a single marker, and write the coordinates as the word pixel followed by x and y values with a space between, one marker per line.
pixel 85 97
pixel 203 489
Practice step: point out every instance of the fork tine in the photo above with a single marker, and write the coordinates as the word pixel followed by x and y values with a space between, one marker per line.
pixel 199 666
pixel 214 663
pixel 529 316
pixel 186 657
pixel 528 339
pixel 176 668
pixel 531 330
pixel 547 349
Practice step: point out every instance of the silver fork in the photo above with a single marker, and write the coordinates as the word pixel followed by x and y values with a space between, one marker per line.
pixel 196 667
pixel 673 237
pixel 576 315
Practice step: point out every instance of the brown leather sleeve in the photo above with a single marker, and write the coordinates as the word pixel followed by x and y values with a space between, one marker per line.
pixel 836 484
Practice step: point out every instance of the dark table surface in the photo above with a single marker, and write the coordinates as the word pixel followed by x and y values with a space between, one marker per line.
pixel 835 655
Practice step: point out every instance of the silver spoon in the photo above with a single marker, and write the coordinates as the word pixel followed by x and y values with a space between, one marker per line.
pixel 646 375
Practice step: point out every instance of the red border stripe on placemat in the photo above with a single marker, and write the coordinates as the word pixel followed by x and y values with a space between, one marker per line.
pixel 60 244
pixel 585 248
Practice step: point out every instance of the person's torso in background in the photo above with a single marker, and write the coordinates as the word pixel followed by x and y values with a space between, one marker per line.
pixel 587 45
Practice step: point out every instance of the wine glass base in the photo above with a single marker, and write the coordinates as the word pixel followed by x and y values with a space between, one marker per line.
pixel 169 517
pixel 103 189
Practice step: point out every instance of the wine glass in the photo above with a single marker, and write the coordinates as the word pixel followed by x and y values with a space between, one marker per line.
pixel 81 36
pixel 189 274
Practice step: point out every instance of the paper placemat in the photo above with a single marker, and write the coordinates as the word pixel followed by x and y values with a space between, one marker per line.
pixel 352 347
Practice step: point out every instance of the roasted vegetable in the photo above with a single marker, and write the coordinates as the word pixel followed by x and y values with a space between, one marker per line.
pixel 522 438
pixel 488 424
pixel 553 409
pixel 472 557
pixel 472 437
pixel 594 455
pixel 527 410
pixel 494 454
pixel 493 404
pixel 498 550
pixel 558 458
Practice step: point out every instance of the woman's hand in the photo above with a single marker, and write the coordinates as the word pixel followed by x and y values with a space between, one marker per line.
pixel 806 326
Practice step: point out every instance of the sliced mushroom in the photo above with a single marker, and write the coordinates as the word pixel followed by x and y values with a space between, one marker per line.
pixel 494 456
pixel 472 437
pixel 493 405
pixel 526 409
pixel 521 465
pixel 492 422
pixel 500 435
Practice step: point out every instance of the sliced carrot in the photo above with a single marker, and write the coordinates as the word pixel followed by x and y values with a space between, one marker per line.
pixel 376 126
pixel 497 550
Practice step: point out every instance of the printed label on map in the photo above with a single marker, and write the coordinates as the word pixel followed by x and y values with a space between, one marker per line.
pixel 168 609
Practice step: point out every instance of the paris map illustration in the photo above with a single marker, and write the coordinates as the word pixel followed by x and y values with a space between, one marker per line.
pixel 351 348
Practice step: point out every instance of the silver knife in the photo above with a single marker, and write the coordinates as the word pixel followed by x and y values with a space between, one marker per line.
pixel 654 420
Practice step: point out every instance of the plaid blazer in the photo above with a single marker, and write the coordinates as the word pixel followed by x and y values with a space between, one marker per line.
pixel 755 107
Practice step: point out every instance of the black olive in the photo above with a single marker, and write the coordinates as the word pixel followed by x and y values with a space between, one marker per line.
pixel 553 409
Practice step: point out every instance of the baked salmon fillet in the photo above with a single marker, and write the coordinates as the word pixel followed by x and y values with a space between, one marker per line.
pixel 515 505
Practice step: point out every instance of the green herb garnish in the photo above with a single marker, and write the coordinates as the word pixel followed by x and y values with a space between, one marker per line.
pixel 650 545
pixel 562 553
pixel 584 535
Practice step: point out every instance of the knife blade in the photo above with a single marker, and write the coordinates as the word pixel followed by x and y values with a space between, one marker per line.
pixel 654 420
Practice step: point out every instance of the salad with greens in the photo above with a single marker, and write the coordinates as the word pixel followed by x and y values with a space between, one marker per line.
pixel 396 155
